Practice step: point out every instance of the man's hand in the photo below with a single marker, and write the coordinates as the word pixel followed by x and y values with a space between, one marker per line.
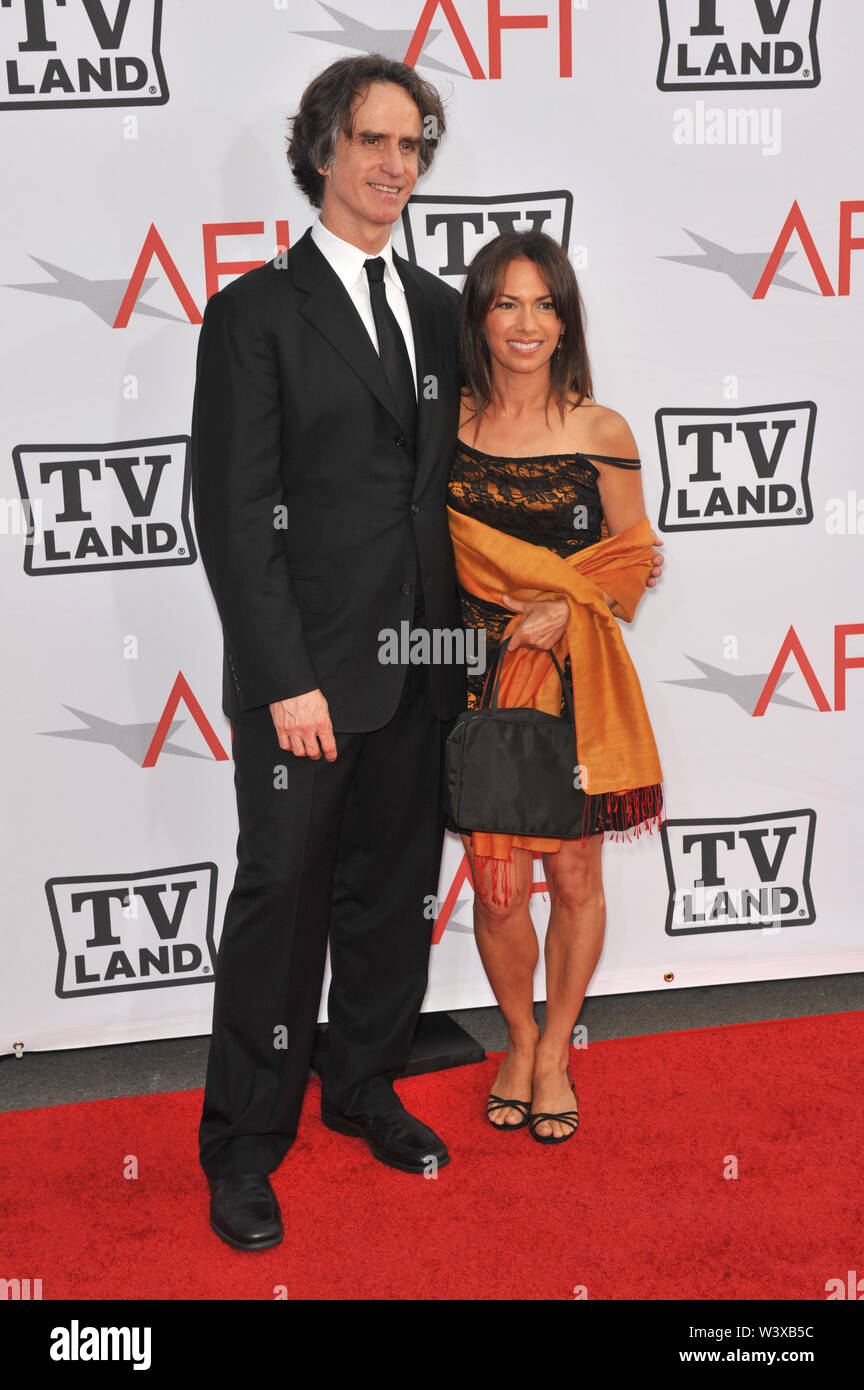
pixel 301 722
pixel 657 562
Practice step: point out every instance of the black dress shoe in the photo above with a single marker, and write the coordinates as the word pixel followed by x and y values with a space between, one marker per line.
pixel 244 1211
pixel 395 1137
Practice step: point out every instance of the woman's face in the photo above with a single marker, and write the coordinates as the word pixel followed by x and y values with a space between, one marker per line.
pixel 522 328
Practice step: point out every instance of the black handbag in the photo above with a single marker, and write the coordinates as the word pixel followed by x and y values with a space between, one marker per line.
pixel 515 771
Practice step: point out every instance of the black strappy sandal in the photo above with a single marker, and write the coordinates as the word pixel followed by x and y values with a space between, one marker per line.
pixel 498 1103
pixel 567 1117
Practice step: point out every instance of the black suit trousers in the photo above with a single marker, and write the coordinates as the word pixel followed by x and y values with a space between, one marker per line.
pixel 350 850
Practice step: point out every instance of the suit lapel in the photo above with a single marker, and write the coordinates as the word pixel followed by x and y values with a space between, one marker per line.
pixel 330 308
pixel 428 354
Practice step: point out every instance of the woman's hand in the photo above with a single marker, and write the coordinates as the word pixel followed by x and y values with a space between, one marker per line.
pixel 543 624
pixel 656 561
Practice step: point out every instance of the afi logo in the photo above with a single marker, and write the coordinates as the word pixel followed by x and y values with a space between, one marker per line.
pixel 796 224
pixel 133 931
pixel 123 505
pixel 554 15
pixel 725 468
pixel 736 44
pixel 792 646
pixel 443 234
pixel 739 875
pixel 144 744
pixel 154 251
pixel 743 267
pixel 83 54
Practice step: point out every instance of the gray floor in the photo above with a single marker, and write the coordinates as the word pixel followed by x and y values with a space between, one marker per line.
pixel 178 1064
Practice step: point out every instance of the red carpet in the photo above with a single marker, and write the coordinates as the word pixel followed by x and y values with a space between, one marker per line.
pixel 634 1206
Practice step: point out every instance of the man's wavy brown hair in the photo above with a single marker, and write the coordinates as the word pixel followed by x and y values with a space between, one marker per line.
pixel 326 107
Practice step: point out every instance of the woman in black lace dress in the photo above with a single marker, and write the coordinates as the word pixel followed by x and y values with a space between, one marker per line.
pixel 539 459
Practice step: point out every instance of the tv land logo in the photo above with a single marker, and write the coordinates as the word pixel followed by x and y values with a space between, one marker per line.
pixel 736 44
pixel 743 874
pixel 122 505
pixel 443 234
pixel 65 53
pixel 735 467
pixel 148 930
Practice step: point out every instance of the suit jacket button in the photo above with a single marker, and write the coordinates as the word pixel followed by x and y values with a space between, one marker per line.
pixel 406 588
pixel 415 508
pixel 400 440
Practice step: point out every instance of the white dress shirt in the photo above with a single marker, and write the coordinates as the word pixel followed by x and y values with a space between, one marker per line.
pixel 348 262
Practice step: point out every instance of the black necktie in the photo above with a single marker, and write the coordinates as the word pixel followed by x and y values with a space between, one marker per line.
pixel 392 349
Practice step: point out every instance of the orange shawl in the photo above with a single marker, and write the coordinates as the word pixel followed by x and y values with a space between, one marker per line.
pixel 615 744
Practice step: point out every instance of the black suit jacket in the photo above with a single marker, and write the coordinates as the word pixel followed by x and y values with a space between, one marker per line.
pixel 312 512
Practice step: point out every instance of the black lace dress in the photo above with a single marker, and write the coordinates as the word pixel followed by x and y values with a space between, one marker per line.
pixel 551 500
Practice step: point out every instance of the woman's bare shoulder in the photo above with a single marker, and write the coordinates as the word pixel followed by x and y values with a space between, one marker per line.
pixel 603 431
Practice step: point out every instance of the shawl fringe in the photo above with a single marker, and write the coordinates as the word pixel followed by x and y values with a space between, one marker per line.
pixel 643 805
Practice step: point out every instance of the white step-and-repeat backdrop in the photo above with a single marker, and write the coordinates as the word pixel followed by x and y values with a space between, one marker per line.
pixel 700 160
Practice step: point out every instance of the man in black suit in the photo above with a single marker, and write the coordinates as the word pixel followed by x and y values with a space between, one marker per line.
pixel 325 416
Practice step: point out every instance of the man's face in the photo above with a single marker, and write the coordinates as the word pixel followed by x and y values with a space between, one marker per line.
pixel 373 171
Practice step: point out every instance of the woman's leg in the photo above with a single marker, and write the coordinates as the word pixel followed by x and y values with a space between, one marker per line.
pixel 507 943
pixel 574 940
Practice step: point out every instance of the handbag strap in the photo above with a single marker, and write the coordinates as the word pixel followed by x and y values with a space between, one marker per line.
pixel 492 687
